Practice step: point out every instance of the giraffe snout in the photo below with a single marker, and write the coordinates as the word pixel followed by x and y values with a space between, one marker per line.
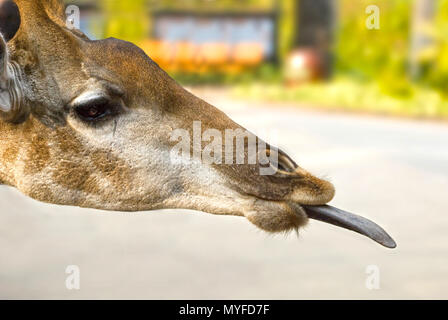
pixel 307 189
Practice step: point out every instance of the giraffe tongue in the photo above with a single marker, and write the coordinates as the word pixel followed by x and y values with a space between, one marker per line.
pixel 350 221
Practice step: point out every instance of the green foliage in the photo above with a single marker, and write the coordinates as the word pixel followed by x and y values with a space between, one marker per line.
pixel 383 55
pixel 349 95
pixel 266 73
pixel 370 54
pixel 436 74
pixel 127 20
pixel 287 27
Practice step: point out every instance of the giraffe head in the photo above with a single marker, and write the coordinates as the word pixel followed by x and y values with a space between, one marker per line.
pixel 95 123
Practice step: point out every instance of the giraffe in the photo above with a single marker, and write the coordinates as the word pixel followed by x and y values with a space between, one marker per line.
pixel 90 124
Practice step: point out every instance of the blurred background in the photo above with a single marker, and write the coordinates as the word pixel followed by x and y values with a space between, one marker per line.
pixel 296 68
pixel 390 59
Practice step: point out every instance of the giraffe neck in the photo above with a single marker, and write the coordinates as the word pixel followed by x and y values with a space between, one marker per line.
pixel 11 148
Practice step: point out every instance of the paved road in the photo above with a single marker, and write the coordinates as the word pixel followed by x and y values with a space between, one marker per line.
pixel 394 172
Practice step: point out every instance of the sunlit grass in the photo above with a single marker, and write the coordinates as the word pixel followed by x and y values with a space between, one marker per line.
pixel 348 95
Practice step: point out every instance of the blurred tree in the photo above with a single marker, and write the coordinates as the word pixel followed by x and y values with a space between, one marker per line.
pixel 127 20
pixel 411 44
pixel 422 34
pixel 435 69
pixel 316 24
pixel 287 27
pixel 371 54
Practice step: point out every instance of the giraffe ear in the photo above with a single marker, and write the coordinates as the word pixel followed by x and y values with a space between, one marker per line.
pixel 5 98
pixel 10 95
pixel 9 24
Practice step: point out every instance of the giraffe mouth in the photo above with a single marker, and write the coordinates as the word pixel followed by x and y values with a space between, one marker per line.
pixel 351 222
pixel 338 217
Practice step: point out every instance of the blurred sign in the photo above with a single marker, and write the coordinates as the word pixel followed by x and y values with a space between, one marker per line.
pixel 186 41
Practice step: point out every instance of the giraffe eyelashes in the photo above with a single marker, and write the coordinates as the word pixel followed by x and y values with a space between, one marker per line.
pixel 92 112
pixel 96 110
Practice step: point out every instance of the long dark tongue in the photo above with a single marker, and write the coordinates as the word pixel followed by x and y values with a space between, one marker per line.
pixel 352 222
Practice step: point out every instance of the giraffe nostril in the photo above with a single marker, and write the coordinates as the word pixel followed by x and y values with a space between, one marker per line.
pixel 285 163
pixel 281 162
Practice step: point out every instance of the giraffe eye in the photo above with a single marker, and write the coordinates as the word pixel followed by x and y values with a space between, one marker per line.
pixel 94 110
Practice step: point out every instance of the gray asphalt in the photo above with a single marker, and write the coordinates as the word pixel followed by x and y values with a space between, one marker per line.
pixel 394 172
